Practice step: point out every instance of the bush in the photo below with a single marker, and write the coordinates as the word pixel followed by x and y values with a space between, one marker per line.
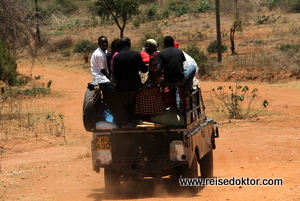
pixel 66 53
pixel 166 13
pixel 65 43
pixel 151 11
pixel 213 48
pixel 8 66
pixel 179 7
pixel 287 5
pixel 136 23
pixel 271 4
pixel 66 6
pixel 295 6
pixel 264 19
pixel 239 102
pixel 204 7
pixel 287 47
pixel 85 47
pixel 196 54
pixel 199 57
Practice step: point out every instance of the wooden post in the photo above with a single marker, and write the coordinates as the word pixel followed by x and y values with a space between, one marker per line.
pixel 218 25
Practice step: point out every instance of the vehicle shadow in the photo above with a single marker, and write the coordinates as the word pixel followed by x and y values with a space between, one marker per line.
pixel 145 189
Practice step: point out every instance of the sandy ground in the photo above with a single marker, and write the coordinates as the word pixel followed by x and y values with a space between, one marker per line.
pixel 266 147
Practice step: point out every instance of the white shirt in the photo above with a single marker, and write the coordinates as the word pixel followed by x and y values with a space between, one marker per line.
pixel 190 61
pixel 99 62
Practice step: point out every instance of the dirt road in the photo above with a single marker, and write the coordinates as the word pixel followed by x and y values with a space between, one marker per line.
pixel 267 147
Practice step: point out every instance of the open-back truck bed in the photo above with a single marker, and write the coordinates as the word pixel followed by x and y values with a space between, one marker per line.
pixel 154 151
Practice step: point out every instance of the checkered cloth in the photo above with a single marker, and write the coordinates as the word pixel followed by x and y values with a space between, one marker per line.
pixel 149 101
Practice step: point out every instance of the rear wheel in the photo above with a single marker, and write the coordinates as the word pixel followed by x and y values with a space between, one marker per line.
pixel 112 181
pixel 191 172
pixel 206 165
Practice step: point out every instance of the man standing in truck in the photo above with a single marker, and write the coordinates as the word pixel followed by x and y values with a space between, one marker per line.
pixel 99 70
pixel 127 65
pixel 170 61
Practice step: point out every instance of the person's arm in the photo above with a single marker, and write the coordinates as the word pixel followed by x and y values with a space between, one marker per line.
pixel 155 68
pixel 95 68
pixel 156 62
pixel 183 57
pixel 104 72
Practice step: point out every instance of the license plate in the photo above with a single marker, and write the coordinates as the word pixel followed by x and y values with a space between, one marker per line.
pixel 102 143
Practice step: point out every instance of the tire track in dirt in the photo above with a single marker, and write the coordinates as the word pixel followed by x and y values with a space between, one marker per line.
pixel 267 147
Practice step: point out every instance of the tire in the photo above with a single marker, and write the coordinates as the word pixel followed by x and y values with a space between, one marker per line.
pixel 206 165
pixel 88 111
pixel 112 181
pixel 191 172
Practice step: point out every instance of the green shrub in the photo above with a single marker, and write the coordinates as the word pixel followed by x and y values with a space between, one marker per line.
pixel 264 19
pixel 286 5
pixel 204 7
pixel 85 47
pixel 272 4
pixel 239 101
pixel 195 53
pixel 166 13
pixel 287 47
pixel 213 47
pixel 8 66
pixel 35 91
pixel 66 53
pixel 65 43
pixel 136 23
pixel 66 6
pixel 179 7
pixel 199 57
pixel 151 11
pixel 14 92
pixel 295 6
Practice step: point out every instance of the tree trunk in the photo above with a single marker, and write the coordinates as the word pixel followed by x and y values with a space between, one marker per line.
pixel 37 31
pixel 232 32
pixel 121 32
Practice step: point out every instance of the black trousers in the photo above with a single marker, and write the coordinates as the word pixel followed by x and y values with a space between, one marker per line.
pixel 114 102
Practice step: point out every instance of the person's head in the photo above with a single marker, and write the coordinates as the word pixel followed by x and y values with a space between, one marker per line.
pixel 151 46
pixel 169 41
pixel 116 45
pixel 102 43
pixel 125 42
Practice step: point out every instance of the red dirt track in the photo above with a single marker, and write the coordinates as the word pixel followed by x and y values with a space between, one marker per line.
pixel 266 147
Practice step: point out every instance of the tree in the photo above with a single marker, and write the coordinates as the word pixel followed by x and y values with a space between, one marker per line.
pixel 119 11
pixel 18 23
pixel 238 11
pixel 18 27
pixel 236 24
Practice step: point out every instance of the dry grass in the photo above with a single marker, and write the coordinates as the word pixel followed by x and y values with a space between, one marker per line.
pixel 257 58
pixel 23 116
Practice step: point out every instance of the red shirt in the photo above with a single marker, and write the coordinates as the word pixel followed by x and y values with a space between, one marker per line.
pixel 146 57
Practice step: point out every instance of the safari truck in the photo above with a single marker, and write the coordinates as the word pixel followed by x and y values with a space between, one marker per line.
pixel 151 150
